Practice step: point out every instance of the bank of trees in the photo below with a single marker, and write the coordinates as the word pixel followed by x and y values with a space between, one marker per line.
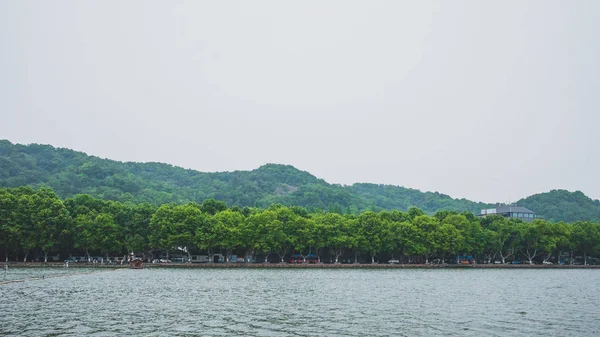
pixel 36 222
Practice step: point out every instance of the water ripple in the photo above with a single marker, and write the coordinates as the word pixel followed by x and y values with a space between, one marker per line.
pixel 305 302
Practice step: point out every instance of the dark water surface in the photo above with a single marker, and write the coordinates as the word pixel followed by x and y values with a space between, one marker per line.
pixel 305 302
pixel 19 273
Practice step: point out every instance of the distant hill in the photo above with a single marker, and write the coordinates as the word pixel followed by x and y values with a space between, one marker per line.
pixel 396 197
pixel 562 205
pixel 70 172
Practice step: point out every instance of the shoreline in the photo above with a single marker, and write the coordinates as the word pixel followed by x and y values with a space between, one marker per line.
pixel 306 266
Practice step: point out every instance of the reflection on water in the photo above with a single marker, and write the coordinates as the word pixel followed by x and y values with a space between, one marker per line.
pixel 306 302
pixel 26 273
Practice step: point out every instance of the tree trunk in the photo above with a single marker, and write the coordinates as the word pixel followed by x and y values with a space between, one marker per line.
pixel 372 259
pixel 25 257
pixel 249 254
pixel 45 256
pixel 211 256
pixel 571 258
pixel 531 256
pixel 547 257
pixel 504 256
pixel 339 253
pixel 280 257
pixel 585 259
pixel 355 257
pixel 336 252
pixel 228 254
pixel 281 253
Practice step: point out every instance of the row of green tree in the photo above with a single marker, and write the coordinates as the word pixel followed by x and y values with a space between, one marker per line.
pixel 36 222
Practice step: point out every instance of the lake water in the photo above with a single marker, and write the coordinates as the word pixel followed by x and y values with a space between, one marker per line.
pixel 13 274
pixel 305 302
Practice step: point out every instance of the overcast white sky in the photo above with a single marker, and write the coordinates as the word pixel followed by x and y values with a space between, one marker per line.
pixel 491 101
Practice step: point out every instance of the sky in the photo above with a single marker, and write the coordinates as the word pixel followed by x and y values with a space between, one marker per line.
pixel 486 100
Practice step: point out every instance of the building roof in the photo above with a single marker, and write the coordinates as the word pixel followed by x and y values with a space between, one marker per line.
pixel 506 209
pixel 513 209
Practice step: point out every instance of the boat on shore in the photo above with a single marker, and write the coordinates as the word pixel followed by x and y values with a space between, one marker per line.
pixel 136 263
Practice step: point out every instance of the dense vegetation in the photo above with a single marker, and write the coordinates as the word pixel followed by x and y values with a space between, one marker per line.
pixel 35 223
pixel 561 205
pixel 391 197
pixel 70 173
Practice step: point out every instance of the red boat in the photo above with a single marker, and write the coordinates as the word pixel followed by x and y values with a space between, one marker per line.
pixel 136 263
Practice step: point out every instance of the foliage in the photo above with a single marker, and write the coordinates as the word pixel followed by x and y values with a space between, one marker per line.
pixel 36 222
pixel 70 173
pixel 561 205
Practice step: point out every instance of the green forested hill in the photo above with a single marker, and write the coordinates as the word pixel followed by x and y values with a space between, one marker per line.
pixel 561 205
pixel 70 172
pixel 396 197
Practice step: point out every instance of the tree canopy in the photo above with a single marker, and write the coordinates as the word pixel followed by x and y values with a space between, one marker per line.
pixel 36 222
pixel 70 173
